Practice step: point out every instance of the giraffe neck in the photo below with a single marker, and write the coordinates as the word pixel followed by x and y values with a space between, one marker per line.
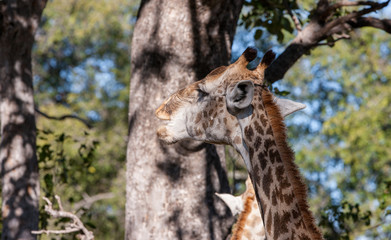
pixel 278 186
pixel 249 225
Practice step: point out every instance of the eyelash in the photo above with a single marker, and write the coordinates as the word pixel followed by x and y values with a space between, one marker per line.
pixel 202 92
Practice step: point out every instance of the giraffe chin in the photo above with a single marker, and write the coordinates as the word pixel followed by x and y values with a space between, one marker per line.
pixel 164 135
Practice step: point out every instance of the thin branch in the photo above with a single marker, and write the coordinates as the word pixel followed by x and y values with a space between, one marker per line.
pixel 293 16
pixel 89 200
pixel 47 232
pixel 60 118
pixel 75 226
pixel 331 43
pixel 383 24
pixel 352 4
pixel 354 15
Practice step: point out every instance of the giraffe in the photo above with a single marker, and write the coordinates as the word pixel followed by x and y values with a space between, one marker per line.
pixel 249 225
pixel 231 105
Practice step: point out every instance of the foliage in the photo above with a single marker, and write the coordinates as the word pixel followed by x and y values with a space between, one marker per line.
pixel 269 15
pixel 81 66
pixel 344 133
pixel 61 167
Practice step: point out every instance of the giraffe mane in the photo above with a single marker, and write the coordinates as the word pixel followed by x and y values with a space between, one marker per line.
pixel 287 155
pixel 238 230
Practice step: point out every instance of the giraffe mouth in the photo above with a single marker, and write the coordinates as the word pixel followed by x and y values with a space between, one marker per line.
pixel 164 135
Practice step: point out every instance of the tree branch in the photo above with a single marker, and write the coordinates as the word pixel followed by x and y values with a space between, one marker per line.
pixel 353 15
pixel 75 226
pixel 331 43
pixel 318 30
pixel 60 118
pixel 383 24
pixel 352 4
pixel 293 16
pixel 89 200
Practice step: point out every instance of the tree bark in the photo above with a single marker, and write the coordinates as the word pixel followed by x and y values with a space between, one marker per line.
pixel 170 189
pixel 19 169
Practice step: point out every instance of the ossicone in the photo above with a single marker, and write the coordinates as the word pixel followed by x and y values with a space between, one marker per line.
pixel 247 56
pixel 267 59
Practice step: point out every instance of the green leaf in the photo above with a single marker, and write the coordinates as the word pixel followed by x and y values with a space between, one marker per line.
pixel 258 34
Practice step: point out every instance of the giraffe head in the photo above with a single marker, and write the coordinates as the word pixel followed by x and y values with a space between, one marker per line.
pixel 207 110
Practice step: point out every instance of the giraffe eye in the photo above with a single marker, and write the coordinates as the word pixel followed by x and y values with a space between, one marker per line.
pixel 201 93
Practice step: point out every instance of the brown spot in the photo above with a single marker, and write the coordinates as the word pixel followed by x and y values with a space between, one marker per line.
pixel 211 122
pixel 210 112
pixel 237 140
pixel 214 114
pixel 266 183
pixel 304 237
pixel 219 91
pixel 258 142
pixel 228 132
pixel 261 108
pixel 251 152
pixel 198 132
pixel 249 132
pixel 280 223
pixel 295 214
pixel 263 120
pixel 282 179
pixel 204 125
pixel 269 131
pixel 257 171
pixel 274 155
pixel 277 193
pixel 262 159
pixel 205 114
pixel 258 128
pixel 274 199
pixel 288 198
pixel 269 222
pixel 268 144
pixel 198 118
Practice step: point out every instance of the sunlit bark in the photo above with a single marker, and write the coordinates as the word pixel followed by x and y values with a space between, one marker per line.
pixel 170 189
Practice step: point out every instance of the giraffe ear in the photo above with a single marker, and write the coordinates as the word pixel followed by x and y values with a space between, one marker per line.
pixel 240 96
pixel 288 107
pixel 235 204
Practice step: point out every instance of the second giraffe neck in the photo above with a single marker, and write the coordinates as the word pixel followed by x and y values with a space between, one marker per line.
pixel 279 189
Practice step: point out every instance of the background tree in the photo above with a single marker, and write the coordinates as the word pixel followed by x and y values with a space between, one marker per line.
pixel 170 189
pixel 81 66
pixel 19 170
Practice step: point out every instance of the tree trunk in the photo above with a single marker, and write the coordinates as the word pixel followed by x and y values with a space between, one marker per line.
pixel 170 189
pixel 19 168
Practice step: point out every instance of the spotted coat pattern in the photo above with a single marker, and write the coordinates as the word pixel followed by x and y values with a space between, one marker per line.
pixel 201 112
